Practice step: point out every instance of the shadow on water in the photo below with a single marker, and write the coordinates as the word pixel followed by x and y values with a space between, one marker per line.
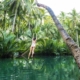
pixel 45 68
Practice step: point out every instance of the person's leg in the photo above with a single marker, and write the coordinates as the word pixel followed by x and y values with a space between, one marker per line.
pixel 33 51
pixel 30 52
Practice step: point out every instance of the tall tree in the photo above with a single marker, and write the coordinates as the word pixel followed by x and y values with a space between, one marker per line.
pixel 75 18
pixel 68 40
pixel 15 8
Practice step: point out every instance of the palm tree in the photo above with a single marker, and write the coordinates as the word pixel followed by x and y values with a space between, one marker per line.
pixel 62 17
pixel 2 14
pixel 14 8
pixel 68 40
pixel 75 18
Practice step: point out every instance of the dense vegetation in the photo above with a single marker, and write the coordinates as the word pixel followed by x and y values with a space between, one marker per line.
pixel 20 19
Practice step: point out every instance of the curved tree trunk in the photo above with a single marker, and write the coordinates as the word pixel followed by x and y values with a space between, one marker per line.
pixel 67 39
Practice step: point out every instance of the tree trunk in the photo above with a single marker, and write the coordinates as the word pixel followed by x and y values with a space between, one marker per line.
pixel 77 39
pixel 67 39
pixel 4 19
pixel 14 19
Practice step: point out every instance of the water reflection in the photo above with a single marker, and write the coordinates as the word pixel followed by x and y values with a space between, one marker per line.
pixel 46 68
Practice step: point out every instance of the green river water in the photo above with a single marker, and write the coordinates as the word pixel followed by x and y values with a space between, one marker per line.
pixel 41 68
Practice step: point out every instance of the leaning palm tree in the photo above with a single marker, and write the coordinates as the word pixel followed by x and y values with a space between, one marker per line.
pixel 67 39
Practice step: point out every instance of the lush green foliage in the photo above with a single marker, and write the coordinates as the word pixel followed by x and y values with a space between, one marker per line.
pixel 20 19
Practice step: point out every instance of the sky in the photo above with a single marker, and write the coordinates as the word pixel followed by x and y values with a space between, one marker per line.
pixel 62 5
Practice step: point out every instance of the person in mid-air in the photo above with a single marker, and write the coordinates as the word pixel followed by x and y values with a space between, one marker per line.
pixel 32 48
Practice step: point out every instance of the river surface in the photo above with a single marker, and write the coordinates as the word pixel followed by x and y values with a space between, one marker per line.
pixel 41 68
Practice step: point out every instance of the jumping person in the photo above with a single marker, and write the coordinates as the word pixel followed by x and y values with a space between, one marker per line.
pixel 32 48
